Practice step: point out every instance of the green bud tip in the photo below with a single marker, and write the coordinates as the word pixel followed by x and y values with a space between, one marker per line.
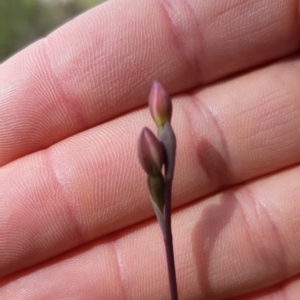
pixel 160 104
pixel 156 185
pixel 150 152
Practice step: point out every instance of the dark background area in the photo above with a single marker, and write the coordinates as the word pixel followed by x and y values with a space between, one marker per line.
pixel 24 21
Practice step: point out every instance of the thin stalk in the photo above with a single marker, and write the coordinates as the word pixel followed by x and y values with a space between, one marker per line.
pixel 153 154
pixel 168 239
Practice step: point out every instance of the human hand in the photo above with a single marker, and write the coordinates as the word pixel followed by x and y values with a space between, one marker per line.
pixel 76 220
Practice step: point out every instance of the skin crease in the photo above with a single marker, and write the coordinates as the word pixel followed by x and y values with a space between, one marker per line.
pixel 76 220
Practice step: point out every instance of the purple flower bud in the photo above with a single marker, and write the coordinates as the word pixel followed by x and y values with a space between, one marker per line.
pixel 160 104
pixel 150 152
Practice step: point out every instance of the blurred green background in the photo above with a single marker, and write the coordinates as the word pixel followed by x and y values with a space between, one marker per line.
pixel 24 21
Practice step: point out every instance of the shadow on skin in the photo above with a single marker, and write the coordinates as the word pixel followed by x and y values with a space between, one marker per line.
pixel 214 217
pixel 259 226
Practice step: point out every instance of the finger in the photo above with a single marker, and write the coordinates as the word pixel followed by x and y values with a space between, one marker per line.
pixel 239 241
pixel 288 289
pixel 94 68
pixel 91 184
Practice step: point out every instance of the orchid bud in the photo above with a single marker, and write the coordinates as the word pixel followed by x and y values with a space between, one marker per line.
pixel 160 105
pixel 150 152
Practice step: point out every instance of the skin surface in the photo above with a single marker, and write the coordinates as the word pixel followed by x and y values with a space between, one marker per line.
pixel 75 216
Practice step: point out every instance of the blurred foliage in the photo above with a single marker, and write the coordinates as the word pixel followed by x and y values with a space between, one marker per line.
pixel 24 21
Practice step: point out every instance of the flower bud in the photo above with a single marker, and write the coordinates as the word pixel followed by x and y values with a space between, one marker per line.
pixel 150 152
pixel 160 104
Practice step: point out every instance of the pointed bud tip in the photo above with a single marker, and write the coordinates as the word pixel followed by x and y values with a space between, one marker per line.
pixel 160 104
pixel 150 152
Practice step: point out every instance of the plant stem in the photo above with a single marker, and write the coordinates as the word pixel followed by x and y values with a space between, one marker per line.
pixel 168 239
